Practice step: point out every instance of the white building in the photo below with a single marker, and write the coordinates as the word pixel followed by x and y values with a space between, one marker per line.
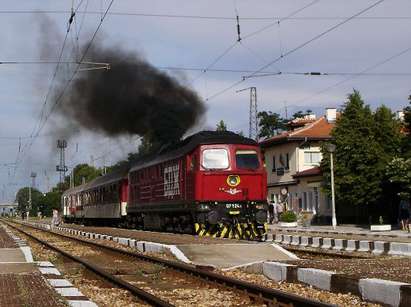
pixel 8 209
pixel 292 161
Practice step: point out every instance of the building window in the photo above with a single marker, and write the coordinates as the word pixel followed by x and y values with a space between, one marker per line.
pixel 316 201
pixel 310 201
pixel 274 168
pixel 284 161
pixel 305 201
pixel 287 161
pixel 312 157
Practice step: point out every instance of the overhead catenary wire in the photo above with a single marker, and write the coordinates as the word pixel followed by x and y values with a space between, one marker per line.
pixel 58 100
pixel 59 97
pixel 43 107
pixel 293 50
pixel 202 17
pixel 40 62
pixel 239 39
pixel 361 73
pixel 278 21
pixel 389 74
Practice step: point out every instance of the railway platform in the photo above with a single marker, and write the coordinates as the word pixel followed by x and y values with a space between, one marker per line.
pixel 24 282
pixel 361 232
pixel 201 251
pixel 227 256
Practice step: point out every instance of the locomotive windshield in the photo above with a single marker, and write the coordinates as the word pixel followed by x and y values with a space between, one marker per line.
pixel 215 158
pixel 247 159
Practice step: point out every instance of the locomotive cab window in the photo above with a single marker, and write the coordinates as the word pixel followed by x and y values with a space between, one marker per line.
pixel 247 159
pixel 215 158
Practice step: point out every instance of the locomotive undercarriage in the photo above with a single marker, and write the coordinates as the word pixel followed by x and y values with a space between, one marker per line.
pixel 246 221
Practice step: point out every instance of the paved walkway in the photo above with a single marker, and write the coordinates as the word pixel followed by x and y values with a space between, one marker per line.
pixel 21 283
pixel 347 231
pixel 231 255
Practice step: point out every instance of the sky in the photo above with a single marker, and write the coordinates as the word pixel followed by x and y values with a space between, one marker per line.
pixel 288 36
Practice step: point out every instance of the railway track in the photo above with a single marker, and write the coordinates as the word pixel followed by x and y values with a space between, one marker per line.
pixel 324 253
pixel 266 295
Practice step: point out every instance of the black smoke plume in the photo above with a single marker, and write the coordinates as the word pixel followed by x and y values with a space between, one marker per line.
pixel 132 97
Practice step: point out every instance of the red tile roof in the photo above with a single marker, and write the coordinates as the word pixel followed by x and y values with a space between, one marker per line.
pixel 315 171
pixel 318 130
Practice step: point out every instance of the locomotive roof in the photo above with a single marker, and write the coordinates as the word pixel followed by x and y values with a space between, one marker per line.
pixel 188 144
pixel 172 152
pixel 99 181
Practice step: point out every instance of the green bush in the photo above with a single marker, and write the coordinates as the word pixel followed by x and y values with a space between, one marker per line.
pixel 288 217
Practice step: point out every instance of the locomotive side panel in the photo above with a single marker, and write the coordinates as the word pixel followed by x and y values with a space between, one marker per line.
pixel 156 187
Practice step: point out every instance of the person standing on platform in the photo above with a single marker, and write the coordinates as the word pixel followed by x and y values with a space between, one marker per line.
pixel 271 211
pixel 279 210
pixel 405 212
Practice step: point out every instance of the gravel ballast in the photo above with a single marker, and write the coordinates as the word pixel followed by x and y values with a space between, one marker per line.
pixel 389 268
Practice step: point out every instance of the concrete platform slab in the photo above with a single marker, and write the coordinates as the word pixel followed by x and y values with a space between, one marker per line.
pixel 74 303
pixel 52 271
pixel 17 268
pixel 12 255
pixel 233 255
pixel 59 283
pixel 69 291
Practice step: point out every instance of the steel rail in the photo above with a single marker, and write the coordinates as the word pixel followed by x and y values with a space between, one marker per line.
pixel 145 296
pixel 272 296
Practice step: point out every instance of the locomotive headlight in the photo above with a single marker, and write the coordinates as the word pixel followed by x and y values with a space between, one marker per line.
pixel 233 180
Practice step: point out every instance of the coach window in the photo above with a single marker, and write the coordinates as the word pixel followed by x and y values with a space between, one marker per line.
pixel 215 158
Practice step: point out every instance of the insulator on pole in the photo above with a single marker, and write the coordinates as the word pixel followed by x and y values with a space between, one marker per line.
pixel 238 29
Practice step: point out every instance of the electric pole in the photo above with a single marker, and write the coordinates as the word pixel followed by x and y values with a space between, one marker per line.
pixel 33 184
pixel 62 168
pixel 253 120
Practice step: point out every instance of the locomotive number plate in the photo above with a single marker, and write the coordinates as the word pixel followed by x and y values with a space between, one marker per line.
pixel 233 206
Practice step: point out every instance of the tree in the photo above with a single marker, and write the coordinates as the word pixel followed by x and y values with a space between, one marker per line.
pixel 221 126
pixel 50 201
pixel 406 146
pixel 22 199
pixel 84 171
pixel 301 114
pixel 269 123
pixel 387 133
pixel 399 174
pixel 145 148
pixel 357 177
pixel 399 169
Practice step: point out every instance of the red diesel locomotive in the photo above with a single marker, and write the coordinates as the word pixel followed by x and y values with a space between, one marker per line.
pixel 212 183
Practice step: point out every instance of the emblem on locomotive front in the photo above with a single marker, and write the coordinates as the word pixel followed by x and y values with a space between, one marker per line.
pixel 231 191
pixel 171 181
pixel 233 180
